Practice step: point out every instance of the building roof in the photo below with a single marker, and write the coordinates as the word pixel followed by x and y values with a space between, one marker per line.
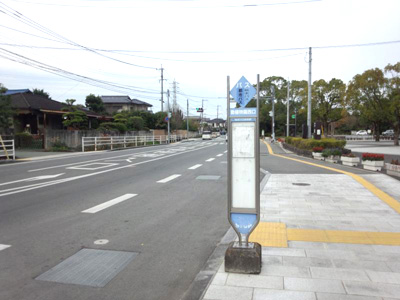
pixel 123 100
pixel 36 102
pixel 216 121
pixel 12 92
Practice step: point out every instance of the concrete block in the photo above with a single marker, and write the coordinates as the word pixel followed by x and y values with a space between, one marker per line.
pixel 286 271
pixel 384 277
pixel 314 285
pixel 243 260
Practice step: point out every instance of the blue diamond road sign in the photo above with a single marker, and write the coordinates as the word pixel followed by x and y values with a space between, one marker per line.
pixel 243 92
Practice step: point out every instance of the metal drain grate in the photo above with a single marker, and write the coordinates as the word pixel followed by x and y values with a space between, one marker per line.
pixel 300 183
pixel 90 267
pixel 208 177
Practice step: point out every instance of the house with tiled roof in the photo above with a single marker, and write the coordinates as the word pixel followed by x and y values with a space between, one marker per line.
pixel 114 104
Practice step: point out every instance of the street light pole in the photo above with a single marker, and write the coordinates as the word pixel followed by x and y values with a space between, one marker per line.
pixel 168 116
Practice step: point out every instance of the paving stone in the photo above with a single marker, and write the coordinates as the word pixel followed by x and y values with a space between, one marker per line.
pixel 283 251
pixel 361 264
pixel 255 281
pixel 220 279
pixel 330 253
pixel 356 248
pixel 307 262
pixel 306 245
pixel 394 266
pixel 314 285
pixel 218 292
pixel 286 271
pixel 263 294
pixel 329 296
pixel 271 260
pixel 387 249
pixel 337 273
pixel 384 277
pixel 372 289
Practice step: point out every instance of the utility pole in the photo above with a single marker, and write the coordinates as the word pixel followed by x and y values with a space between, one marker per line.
pixel 273 113
pixel 162 88
pixel 309 97
pixel 217 116
pixel 187 120
pixel 202 111
pixel 287 110
pixel 169 117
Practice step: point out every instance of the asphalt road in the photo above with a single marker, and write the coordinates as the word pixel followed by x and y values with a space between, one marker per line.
pixel 174 224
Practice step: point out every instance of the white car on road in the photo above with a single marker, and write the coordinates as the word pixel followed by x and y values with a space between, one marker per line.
pixel 362 132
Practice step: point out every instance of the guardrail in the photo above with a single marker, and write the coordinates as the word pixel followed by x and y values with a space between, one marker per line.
pixel 362 137
pixel 7 149
pixel 118 142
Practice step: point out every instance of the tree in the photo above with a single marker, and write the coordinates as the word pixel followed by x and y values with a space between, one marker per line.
pixel 367 95
pixel 136 123
pixel 6 111
pixel 160 120
pixel 394 98
pixel 94 103
pixel 75 119
pixel 328 99
pixel 41 93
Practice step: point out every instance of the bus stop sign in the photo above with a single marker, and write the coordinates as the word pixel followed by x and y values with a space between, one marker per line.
pixel 243 92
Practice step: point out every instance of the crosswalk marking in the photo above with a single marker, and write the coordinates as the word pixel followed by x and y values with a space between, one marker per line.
pixel 2 247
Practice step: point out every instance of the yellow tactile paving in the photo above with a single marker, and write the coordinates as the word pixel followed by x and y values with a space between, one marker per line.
pixel 277 235
pixel 270 235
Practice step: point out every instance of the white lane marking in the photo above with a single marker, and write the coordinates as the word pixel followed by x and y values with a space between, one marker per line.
pixel 33 179
pixel 41 185
pixel 85 167
pixel 210 159
pixel 2 247
pixel 172 177
pixel 108 204
pixel 226 151
pixel 219 155
pixel 195 167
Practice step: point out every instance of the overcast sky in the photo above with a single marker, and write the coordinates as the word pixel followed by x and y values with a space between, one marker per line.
pixel 197 42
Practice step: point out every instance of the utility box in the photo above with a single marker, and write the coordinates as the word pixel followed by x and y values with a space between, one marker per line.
pixel 317 130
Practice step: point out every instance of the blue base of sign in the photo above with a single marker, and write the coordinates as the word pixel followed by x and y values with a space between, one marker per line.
pixel 243 222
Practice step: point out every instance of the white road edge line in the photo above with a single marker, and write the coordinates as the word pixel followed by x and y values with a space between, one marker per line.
pixel 226 151
pixel 210 159
pixel 108 204
pixel 219 155
pixel 172 177
pixel 195 167
pixel 2 247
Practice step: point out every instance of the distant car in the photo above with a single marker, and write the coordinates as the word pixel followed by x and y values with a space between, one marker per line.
pixel 206 135
pixel 362 132
pixel 389 132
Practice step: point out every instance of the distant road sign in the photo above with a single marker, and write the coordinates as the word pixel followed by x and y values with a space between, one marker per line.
pixel 243 92
pixel 293 116
pixel 199 109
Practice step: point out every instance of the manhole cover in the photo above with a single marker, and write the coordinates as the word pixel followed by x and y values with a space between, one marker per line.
pixel 300 183
pixel 90 267
pixel 208 177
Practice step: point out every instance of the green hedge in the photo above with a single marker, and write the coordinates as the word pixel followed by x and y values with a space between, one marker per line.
pixel 308 144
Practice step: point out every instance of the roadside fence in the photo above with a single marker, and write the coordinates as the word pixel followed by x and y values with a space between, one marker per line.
pixel 121 142
pixel 7 149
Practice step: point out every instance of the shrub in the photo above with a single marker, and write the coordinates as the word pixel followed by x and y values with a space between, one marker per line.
pixel 372 156
pixel 395 162
pixel 23 139
pixel 317 149
pixel 348 154
pixel 59 147
pixel 309 144
pixel 113 126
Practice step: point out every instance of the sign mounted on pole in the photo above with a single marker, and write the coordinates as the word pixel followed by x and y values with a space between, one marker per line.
pixel 243 92
pixel 243 178
pixel 199 109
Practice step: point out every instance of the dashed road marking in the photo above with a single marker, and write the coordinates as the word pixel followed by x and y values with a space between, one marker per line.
pixel 210 159
pixel 219 155
pixel 226 151
pixel 172 177
pixel 93 168
pixel 107 204
pixel 195 167
pixel 2 247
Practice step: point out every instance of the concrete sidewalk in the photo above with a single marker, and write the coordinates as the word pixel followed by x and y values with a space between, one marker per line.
pixel 327 236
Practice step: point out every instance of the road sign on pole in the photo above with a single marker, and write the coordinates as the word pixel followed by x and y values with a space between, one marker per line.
pixel 243 179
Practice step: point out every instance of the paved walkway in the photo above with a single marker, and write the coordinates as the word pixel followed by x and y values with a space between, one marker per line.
pixel 324 237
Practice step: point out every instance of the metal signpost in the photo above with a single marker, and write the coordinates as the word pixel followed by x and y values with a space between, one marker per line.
pixel 243 178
